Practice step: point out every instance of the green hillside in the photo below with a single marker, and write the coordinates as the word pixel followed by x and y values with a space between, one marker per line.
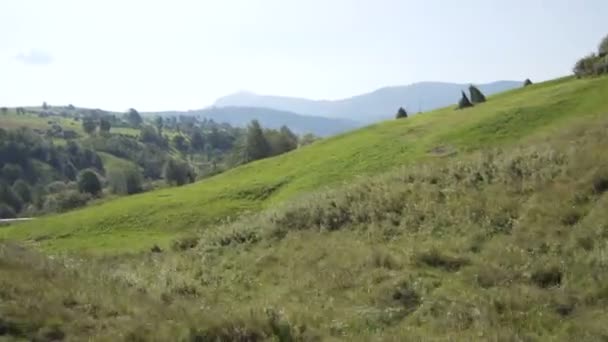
pixel 137 222
pixel 506 243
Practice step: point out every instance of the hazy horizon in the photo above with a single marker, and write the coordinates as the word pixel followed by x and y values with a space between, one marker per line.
pixel 180 55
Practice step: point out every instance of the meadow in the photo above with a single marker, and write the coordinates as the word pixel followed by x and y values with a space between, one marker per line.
pixel 136 223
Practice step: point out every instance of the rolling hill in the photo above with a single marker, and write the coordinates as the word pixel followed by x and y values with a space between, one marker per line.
pixel 375 106
pixel 493 228
pixel 271 118
pixel 136 222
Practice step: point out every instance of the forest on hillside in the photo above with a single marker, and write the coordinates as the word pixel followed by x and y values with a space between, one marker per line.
pixel 54 159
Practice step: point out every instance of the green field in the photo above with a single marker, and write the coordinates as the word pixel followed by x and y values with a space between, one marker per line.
pixel 13 121
pixel 484 224
pixel 137 222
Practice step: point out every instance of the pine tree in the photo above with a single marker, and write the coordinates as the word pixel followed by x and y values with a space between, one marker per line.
pixel 464 102
pixel 476 95
pixel 401 113
pixel 257 146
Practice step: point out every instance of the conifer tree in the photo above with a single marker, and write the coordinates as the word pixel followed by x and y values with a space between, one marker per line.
pixel 257 146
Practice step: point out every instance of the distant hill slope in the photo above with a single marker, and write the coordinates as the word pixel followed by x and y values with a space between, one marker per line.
pixel 375 106
pixel 136 222
pixel 271 118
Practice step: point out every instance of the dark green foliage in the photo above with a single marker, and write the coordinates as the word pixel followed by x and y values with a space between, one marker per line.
pixel 585 66
pixel 281 141
pixel 547 277
pixel 126 181
pixel 4 110
pixel 105 125
pixel 256 145
pixel 149 135
pixel 6 212
pixel 178 173
pixel 23 190
pixel 401 113
pixel 476 95
pixel 180 143
pixel 464 102
pixel 134 118
pixel 10 198
pixel 197 141
pixel 593 64
pixel 11 172
pixel 65 200
pixel 88 182
pixel 159 123
pixel 527 82
pixel 89 125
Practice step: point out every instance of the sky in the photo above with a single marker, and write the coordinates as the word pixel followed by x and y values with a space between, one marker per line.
pixel 184 54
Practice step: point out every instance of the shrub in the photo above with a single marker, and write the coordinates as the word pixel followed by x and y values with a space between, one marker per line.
pixel 88 182
pixel 23 190
pixel 11 172
pixel 6 211
pixel 65 200
pixel 57 186
pixel 527 82
pixel 585 66
pixel 600 182
pixel 185 243
pixel 547 277
pixel 178 173
pixel 126 181
pixel 9 197
pixel 435 259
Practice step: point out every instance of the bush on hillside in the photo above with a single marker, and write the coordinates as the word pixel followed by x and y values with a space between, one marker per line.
pixel 527 82
pixel 6 211
pixel 10 198
pixel 593 64
pixel 584 66
pixel 178 173
pixel 65 200
pixel 23 190
pixel 401 113
pixel 11 172
pixel 127 181
pixel 88 182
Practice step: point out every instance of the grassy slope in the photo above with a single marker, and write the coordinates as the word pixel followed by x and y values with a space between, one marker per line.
pixel 136 222
pixel 12 121
pixel 111 162
pixel 503 244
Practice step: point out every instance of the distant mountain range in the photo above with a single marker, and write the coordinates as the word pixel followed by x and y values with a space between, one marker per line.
pixel 375 106
pixel 270 118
